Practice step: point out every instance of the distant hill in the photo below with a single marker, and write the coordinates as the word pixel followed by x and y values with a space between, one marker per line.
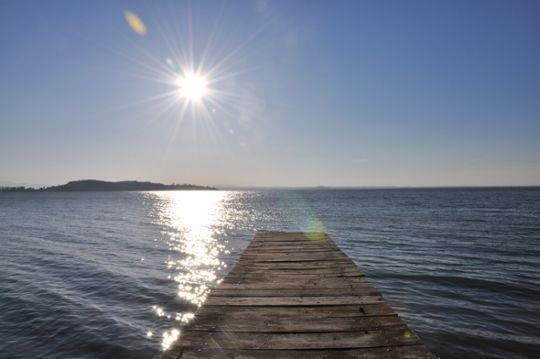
pixel 96 185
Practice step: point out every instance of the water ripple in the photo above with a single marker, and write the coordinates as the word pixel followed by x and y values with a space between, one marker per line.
pixel 102 275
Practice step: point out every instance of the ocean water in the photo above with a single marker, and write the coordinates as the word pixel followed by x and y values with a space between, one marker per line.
pixel 117 274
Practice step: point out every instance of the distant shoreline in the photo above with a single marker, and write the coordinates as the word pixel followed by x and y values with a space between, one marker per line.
pixel 338 188
pixel 97 185
pixel 150 186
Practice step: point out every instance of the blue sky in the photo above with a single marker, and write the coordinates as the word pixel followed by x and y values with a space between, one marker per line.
pixel 341 93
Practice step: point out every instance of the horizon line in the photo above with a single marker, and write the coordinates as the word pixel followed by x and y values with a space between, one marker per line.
pixel 322 186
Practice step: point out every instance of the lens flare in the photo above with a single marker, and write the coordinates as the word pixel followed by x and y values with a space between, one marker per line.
pixel 171 64
pixel 135 23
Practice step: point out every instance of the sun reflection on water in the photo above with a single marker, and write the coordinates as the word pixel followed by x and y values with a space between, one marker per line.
pixel 193 219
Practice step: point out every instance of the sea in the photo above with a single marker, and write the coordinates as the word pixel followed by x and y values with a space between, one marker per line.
pixel 118 274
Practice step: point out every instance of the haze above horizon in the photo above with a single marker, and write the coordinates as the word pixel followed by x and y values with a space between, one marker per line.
pixel 271 93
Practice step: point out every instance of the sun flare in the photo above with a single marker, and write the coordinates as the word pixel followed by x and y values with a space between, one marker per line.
pixel 201 83
pixel 192 86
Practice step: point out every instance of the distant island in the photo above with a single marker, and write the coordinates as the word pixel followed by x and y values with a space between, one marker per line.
pixel 96 185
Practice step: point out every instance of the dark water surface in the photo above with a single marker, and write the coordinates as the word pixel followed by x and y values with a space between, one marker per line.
pixel 100 274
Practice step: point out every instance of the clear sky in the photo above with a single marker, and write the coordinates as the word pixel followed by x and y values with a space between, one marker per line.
pixel 339 93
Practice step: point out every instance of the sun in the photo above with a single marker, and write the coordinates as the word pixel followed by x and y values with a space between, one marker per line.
pixel 192 86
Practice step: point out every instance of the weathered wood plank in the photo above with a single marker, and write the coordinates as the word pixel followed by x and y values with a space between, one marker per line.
pixel 325 340
pixel 405 352
pixel 326 246
pixel 302 260
pixel 332 283
pixel 298 265
pixel 295 292
pixel 288 277
pixel 289 245
pixel 297 257
pixel 297 240
pixel 287 249
pixel 294 265
pixel 296 295
pixel 280 301
pixel 331 253
pixel 290 236
pixel 304 280
pixel 307 312
pixel 293 271
pixel 288 324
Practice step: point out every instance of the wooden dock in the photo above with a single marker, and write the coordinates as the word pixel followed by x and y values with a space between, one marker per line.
pixel 296 295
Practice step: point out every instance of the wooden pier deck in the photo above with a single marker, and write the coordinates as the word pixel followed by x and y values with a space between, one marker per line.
pixel 296 295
